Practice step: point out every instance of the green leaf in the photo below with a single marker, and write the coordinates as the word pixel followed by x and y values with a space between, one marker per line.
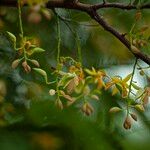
pixel 139 93
pixel 135 86
pixel 127 78
pixel 119 87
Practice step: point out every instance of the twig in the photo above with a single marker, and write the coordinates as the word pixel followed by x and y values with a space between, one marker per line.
pixel 92 11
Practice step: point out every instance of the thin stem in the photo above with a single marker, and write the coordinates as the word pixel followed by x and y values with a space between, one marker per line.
pixel 58 54
pixel 79 48
pixel 131 31
pixel 77 39
pixel 21 28
pixel 130 85
pixel 133 72
pixel 20 19
pixel 59 41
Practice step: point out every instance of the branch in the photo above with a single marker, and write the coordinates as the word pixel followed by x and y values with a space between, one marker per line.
pixel 80 6
pixel 64 19
pixel 120 6
pixel 137 53
pixel 92 11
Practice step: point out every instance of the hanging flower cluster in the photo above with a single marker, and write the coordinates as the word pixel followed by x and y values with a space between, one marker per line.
pixel 26 49
pixel 76 84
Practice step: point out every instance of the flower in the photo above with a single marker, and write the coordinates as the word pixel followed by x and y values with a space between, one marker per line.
pixel 119 85
pixel 98 77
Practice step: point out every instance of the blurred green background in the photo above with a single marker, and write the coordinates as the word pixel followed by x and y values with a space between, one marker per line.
pixel 28 117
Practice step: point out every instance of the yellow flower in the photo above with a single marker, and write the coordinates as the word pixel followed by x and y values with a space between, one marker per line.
pixel 119 85
pixel 98 77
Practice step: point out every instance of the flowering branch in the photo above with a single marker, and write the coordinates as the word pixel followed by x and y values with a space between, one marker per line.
pixel 92 11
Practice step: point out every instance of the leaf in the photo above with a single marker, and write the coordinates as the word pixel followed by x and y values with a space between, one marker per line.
pixel 114 91
pixel 127 78
pixel 139 93
pixel 90 72
pixel 135 86
pixel 43 73
pixel 119 87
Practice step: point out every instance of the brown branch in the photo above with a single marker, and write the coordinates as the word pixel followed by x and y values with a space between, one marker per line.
pixel 92 11
pixel 120 6
pixel 137 53
pixel 81 6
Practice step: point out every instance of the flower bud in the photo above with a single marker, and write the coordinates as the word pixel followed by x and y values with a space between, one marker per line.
pixel 139 107
pixel 52 92
pixel 67 97
pixel 12 37
pixel 26 67
pixel 87 109
pixel 15 63
pixel 89 106
pixel 114 110
pixel 134 116
pixel 34 17
pixel 95 97
pixel 59 104
pixel 138 15
pixel 127 123
pixel 142 73
pixel 35 62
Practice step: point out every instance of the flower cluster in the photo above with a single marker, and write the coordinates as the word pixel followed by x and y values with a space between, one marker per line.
pixel 78 85
pixel 27 48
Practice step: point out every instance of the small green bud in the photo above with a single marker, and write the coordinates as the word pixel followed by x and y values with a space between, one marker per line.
pixel 142 73
pixel 35 62
pixel 114 109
